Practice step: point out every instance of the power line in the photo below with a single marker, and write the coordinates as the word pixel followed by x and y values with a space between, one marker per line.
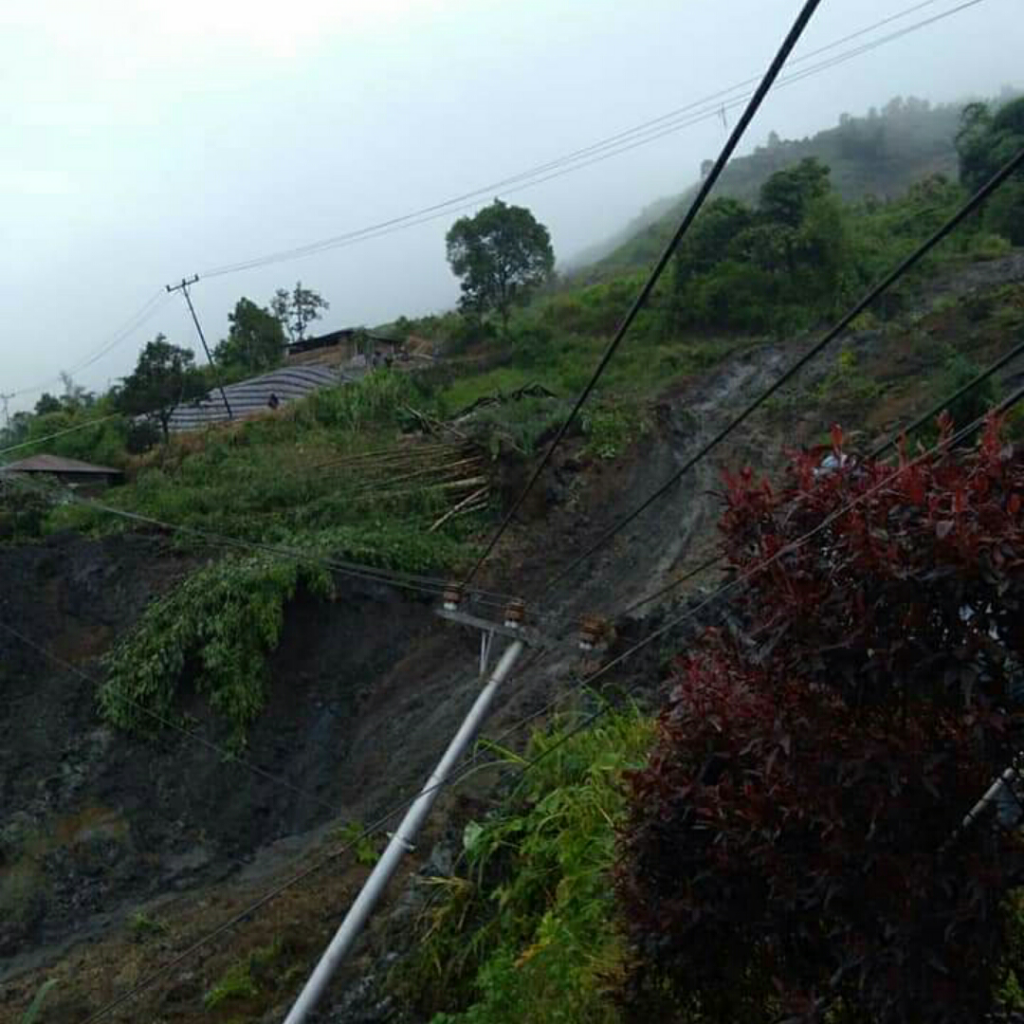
pixel 894 275
pixel 874 454
pixel 471 766
pixel 935 410
pixel 151 306
pixel 614 145
pixel 228 755
pixel 705 189
pixel 60 433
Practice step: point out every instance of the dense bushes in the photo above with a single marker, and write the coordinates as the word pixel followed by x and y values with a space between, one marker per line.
pixel 786 848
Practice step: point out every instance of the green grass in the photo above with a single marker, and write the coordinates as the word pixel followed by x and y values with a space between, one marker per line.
pixel 528 932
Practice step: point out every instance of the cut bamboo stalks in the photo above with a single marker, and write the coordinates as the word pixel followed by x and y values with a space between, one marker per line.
pixel 454 511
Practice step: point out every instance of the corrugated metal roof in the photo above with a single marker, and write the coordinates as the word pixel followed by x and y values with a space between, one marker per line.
pixel 56 464
pixel 249 397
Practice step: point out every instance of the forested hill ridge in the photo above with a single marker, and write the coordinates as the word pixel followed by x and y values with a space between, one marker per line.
pixel 881 154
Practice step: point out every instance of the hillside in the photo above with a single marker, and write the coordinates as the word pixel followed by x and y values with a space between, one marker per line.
pixel 217 673
pixel 880 154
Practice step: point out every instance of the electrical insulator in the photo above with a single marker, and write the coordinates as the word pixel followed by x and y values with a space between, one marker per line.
pixel 452 597
pixel 592 628
pixel 515 613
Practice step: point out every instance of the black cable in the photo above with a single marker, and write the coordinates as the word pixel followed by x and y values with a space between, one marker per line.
pixel 228 755
pixel 935 410
pixel 706 186
pixel 471 766
pixel 894 275
pixel 431 585
pixel 148 309
pixel 876 453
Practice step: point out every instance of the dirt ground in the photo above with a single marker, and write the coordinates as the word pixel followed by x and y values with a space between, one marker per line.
pixel 117 853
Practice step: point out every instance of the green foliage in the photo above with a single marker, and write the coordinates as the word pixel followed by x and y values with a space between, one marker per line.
pixel 611 428
pixel 252 980
pixel 297 309
pixel 986 141
pixel 143 926
pixel 217 627
pixel 502 254
pixel 847 386
pixel 363 847
pixel 529 934
pixel 379 399
pixel 255 342
pixel 164 377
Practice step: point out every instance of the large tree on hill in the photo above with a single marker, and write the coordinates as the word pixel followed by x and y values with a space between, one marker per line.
pixel 986 142
pixel 165 377
pixel 501 255
pixel 297 309
pixel 255 341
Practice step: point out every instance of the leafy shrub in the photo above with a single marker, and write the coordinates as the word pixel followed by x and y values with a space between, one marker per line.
pixel 788 843
pixel 217 627
pixel 611 428
pixel 377 399
pixel 528 934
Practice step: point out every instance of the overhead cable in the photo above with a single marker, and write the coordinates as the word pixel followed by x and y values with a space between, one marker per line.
pixel 882 286
pixel 704 191
pixel 473 764
pixel 621 142
pixel 228 755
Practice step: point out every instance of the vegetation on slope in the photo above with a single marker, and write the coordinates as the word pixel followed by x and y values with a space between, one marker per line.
pixel 790 845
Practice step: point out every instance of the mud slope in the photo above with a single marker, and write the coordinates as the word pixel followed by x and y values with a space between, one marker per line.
pixel 363 693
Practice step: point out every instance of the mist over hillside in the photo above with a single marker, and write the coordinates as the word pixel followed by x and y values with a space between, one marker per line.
pixel 880 153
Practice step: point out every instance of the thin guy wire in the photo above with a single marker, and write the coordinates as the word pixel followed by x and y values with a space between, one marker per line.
pixel 148 309
pixel 875 453
pixel 894 275
pixel 426 584
pixel 705 189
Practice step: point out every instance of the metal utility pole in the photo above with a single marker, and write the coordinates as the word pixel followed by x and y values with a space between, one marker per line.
pixel 401 842
pixel 183 288
pixel 7 413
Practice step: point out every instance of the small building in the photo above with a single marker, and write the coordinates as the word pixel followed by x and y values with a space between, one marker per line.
pixel 340 347
pixel 72 472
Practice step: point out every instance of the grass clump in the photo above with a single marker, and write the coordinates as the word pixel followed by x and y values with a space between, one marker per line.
pixel 251 981
pixel 528 932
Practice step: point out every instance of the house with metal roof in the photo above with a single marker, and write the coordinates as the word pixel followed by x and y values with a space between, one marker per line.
pixel 69 471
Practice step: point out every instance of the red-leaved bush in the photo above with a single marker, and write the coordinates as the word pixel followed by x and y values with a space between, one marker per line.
pixel 788 846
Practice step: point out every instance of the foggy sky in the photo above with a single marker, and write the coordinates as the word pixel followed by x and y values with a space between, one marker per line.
pixel 143 140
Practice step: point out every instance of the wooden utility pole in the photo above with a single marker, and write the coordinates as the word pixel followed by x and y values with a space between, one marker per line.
pixel 183 288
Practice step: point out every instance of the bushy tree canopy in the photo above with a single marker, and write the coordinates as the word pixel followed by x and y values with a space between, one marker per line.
pixel 501 255
pixel 256 340
pixel 298 309
pixel 164 377
pixel 986 142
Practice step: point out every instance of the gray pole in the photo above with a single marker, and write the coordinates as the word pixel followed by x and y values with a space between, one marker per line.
pixel 183 288
pixel 401 843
